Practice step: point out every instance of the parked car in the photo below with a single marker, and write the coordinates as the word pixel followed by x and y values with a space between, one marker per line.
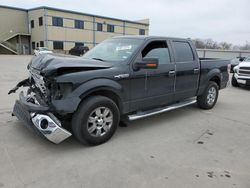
pixel 241 75
pixel 78 50
pixel 42 50
pixel 235 62
pixel 121 79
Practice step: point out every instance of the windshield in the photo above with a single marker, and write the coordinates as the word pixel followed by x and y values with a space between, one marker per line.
pixel 114 49
pixel 247 58
pixel 42 49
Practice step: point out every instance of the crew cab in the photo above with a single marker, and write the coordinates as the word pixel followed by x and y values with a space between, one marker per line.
pixel 121 79
pixel 241 73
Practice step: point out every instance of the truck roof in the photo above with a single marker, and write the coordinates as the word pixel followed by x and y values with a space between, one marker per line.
pixel 146 37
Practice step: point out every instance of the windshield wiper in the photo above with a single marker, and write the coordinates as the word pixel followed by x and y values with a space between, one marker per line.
pixel 95 58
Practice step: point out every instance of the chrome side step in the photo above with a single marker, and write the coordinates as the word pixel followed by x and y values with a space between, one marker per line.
pixel 143 114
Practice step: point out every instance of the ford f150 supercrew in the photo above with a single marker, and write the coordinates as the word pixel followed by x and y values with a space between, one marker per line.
pixel 121 79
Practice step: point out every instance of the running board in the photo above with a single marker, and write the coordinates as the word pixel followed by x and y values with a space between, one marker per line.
pixel 143 114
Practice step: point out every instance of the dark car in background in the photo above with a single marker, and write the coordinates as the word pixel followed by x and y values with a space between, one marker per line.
pixel 78 50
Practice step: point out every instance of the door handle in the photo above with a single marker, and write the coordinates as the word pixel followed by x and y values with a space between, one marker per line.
pixel 196 71
pixel 171 73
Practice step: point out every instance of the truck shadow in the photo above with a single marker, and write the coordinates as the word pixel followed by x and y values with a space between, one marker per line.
pixel 246 88
pixel 163 119
pixel 132 128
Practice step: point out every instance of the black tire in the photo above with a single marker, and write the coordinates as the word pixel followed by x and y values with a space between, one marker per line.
pixel 234 82
pixel 81 120
pixel 203 101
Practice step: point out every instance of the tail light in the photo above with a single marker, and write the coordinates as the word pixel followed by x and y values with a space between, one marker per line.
pixel 229 68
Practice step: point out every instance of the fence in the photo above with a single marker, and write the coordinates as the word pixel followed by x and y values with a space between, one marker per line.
pixel 225 54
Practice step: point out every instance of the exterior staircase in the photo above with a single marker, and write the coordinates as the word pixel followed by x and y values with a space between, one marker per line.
pixel 4 41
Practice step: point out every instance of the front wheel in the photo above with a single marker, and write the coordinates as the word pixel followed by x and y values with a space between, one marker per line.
pixel 96 120
pixel 234 82
pixel 209 98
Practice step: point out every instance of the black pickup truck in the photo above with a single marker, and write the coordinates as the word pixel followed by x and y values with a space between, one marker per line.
pixel 120 80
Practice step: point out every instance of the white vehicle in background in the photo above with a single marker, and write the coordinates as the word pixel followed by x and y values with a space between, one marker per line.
pixel 42 50
pixel 241 75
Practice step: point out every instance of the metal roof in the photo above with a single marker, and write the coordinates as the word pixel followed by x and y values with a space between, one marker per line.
pixel 14 8
pixel 148 37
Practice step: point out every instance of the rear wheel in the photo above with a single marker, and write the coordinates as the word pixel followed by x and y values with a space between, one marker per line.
pixel 209 98
pixel 234 82
pixel 96 120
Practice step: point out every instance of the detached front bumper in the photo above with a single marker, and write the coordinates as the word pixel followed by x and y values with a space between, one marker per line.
pixel 38 119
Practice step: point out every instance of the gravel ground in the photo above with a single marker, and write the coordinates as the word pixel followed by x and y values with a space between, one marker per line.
pixel 188 147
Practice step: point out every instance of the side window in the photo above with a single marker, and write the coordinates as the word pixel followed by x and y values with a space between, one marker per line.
pixel 41 44
pixel 33 44
pixel 58 45
pixel 99 27
pixel 141 31
pixel 57 21
pixel 40 20
pixel 183 52
pixel 79 24
pixel 79 44
pixel 110 28
pixel 157 49
pixel 32 24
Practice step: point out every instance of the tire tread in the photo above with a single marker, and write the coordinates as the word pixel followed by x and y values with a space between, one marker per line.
pixel 83 110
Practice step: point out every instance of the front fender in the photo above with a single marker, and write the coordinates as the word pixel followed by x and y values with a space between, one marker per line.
pixel 97 84
pixel 70 103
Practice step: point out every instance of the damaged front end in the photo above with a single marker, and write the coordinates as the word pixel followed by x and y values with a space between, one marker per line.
pixel 34 111
pixel 51 95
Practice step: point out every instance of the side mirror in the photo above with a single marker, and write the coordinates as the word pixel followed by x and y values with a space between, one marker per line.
pixel 147 63
pixel 241 59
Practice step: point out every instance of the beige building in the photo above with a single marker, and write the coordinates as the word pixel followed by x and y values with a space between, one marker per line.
pixel 23 30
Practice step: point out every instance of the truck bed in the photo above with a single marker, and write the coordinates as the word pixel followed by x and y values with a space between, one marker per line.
pixel 218 66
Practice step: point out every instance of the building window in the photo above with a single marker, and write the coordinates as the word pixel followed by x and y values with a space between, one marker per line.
pixel 40 20
pixel 79 44
pixel 33 44
pixel 79 24
pixel 99 27
pixel 41 44
pixel 142 32
pixel 58 45
pixel 110 28
pixel 56 21
pixel 32 24
pixel 37 44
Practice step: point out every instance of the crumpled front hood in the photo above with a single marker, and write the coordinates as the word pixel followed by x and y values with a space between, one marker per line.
pixel 58 64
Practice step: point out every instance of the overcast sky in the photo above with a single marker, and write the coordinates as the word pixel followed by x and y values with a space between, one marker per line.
pixel 221 20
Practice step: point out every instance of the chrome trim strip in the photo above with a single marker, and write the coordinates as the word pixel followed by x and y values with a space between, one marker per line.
pixel 238 76
pixel 53 132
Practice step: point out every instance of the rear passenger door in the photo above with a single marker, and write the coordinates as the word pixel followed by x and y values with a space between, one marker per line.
pixel 187 69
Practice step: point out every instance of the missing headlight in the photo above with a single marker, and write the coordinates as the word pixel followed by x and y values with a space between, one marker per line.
pixel 61 90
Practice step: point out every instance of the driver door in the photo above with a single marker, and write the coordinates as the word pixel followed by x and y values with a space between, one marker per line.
pixel 153 87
